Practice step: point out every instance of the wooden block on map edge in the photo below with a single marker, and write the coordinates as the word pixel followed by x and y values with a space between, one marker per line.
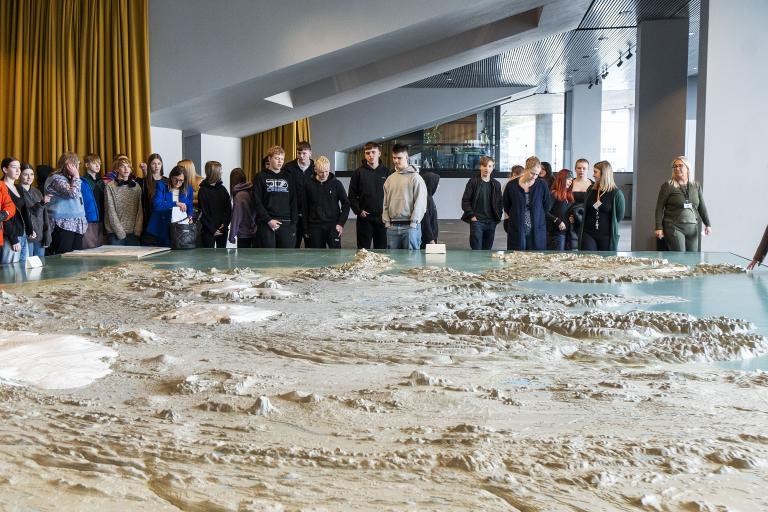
pixel 435 249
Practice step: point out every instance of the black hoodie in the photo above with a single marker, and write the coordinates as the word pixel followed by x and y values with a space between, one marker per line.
pixel 429 227
pixel 366 189
pixel 275 196
pixel 325 203
pixel 215 206
pixel 299 176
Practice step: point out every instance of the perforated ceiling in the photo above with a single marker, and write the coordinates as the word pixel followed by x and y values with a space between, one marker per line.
pixel 579 56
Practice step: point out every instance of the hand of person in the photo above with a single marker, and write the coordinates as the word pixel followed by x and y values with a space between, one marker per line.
pixel 274 224
pixel 571 219
pixel 561 226
pixel 182 206
pixel 707 230
pixel 752 264
pixel 47 198
pixel 217 233
pixel 72 170
pixel 659 234
pixel 16 247
pixel 339 229
pixel 33 236
pixel 363 213
pixel 473 219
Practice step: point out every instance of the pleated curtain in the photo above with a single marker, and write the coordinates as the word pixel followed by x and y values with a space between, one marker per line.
pixel 288 136
pixel 74 76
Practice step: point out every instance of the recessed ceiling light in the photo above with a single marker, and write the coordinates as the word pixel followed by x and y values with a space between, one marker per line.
pixel 585 56
pixel 602 38
pixel 596 48
pixel 623 13
pixel 691 33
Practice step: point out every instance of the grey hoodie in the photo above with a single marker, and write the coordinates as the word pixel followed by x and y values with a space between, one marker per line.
pixel 405 197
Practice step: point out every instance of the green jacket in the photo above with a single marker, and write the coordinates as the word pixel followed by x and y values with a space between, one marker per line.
pixel 617 214
pixel 669 206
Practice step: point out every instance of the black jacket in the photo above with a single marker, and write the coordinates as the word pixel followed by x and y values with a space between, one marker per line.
pixel 21 223
pixel 299 176
pixel 366 189
pixel 471 195
pixel 324 203
pixel 215 206
pixel 38 214
pixel 429 226
pixel 275 196
pixel 514 206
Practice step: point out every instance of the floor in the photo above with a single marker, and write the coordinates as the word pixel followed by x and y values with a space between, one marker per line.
pixel 455 234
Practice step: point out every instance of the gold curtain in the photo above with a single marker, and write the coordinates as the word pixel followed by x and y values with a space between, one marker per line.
pixel 288 136
pixel 74 76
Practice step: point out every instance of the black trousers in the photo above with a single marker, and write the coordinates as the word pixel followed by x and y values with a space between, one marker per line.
pixel 245 243
pixel 64 241
pixel 595 241
pixel 371 228
pixel 300 233
pixel 321 236
pixel 210 241
pixel 283 237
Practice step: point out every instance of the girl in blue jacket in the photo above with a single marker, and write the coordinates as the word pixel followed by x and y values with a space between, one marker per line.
pixel 177 193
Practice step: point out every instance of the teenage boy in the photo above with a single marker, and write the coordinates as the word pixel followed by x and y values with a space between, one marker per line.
pixel 482 206
pixel 275 201
pixel 405 203
pixel 300 169
pixel 366 197
pixel 93 201
pixel 326 208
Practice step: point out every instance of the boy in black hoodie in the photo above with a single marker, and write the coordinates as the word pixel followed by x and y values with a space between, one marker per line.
pixel 366 197
pixel 301 168
pixel 325 206
pixel 275 199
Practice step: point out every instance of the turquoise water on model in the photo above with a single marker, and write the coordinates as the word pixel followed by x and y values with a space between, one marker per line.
pixel 742 296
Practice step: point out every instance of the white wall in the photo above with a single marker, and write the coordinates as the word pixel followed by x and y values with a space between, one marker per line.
pixel 167 142
pixel 227 150
pixel 731 127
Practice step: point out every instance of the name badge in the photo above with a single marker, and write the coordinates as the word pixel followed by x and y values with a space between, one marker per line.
pixel 688 205
pixel 597 204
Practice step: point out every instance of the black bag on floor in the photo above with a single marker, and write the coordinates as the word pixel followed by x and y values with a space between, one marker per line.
pixel 184 235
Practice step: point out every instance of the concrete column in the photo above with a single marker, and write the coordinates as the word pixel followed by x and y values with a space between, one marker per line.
pixel 731 131
pixel 544 137
pixel 660 96
pixel 583 120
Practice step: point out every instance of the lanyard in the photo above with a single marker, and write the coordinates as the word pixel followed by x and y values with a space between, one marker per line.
pixel 687 191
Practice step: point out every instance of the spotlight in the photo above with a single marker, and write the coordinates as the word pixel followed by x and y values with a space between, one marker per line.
pixel 590 85
pixel 618 64
pixel 597 81
pixel 629 53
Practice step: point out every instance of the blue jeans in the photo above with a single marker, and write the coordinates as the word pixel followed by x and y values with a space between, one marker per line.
pixel 35 249
pixel 11 256
pixel 403 236
pixel 128 240
pixel 481 234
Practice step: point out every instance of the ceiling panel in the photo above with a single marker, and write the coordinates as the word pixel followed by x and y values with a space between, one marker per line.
pixel 554 64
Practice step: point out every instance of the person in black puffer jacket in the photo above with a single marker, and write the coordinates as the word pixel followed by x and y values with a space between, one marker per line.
pixel 215 207
pixel 429 227
pixel 325 207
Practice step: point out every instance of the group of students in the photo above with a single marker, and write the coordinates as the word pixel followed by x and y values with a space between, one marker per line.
pixel 564 212
pixel 302 201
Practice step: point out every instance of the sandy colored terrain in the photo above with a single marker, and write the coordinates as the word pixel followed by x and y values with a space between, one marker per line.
pixel 355 387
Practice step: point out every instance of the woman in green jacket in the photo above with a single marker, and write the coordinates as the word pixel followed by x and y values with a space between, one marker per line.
pixel 679 209
pixel 603 210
